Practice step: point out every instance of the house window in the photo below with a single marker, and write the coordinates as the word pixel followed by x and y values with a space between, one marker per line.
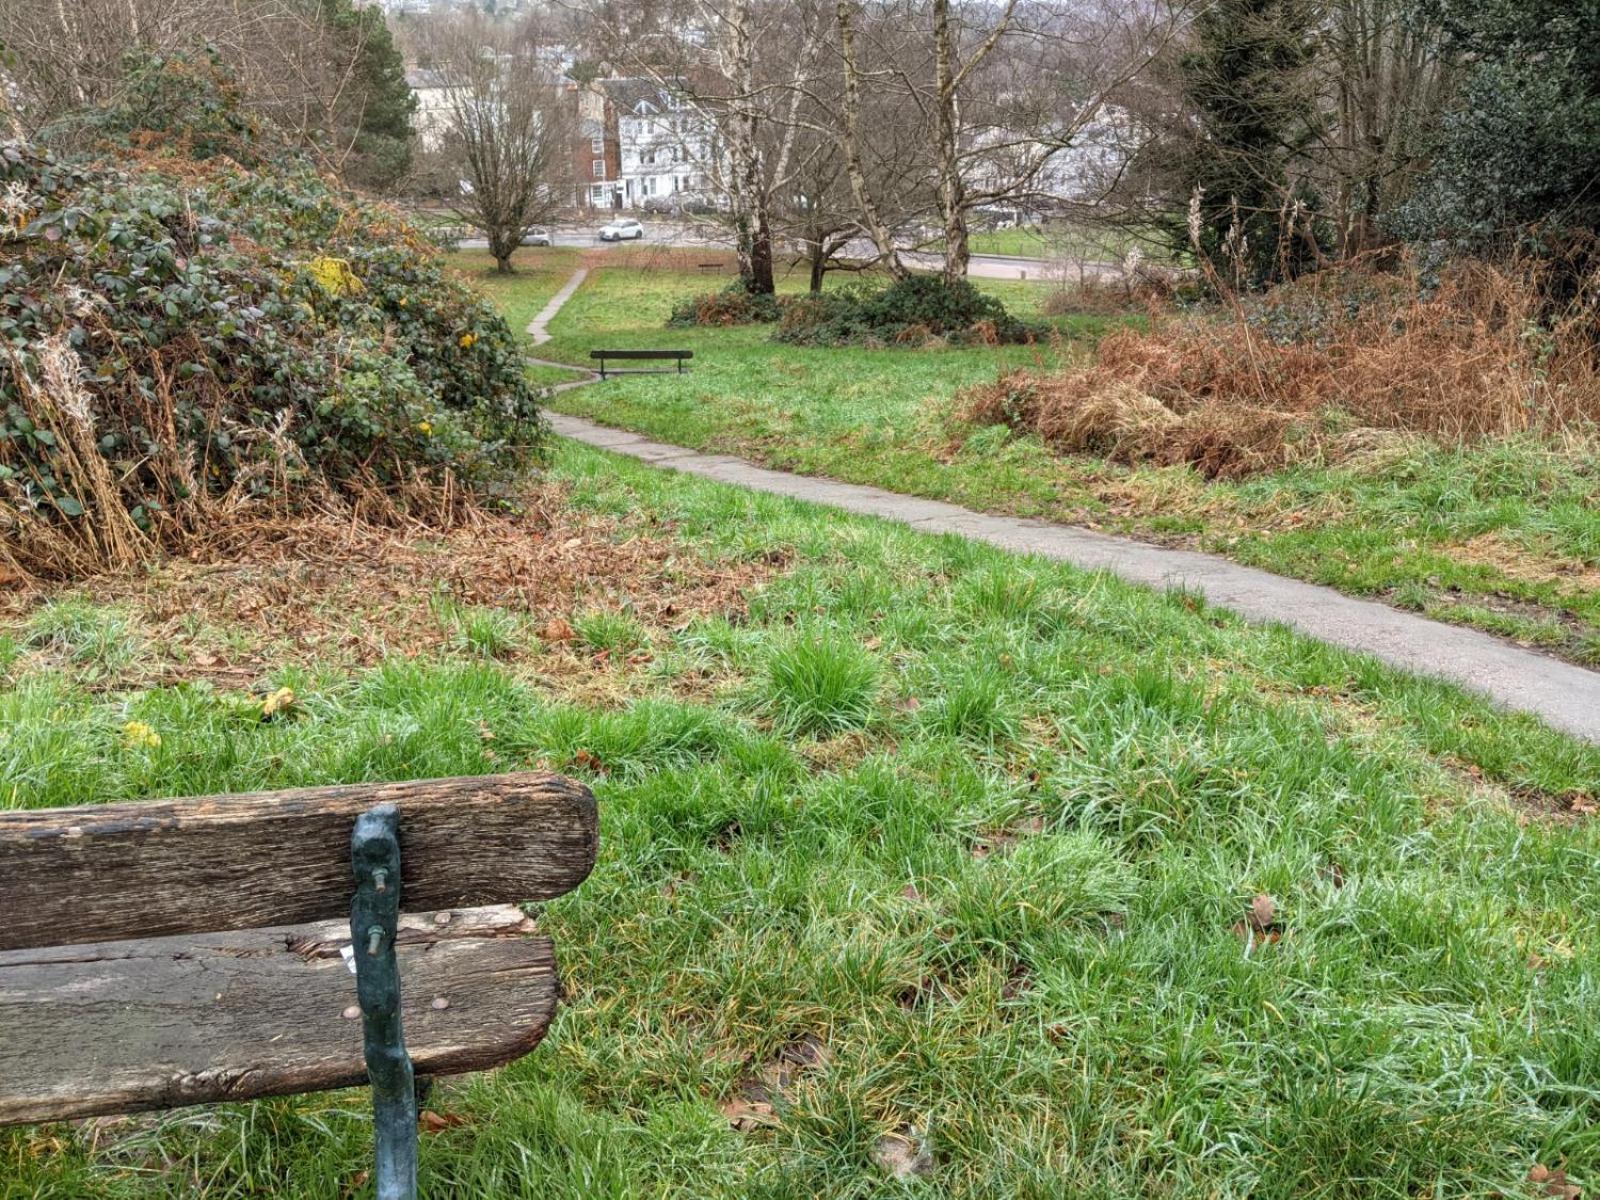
pixel 597 145
pixel 599 168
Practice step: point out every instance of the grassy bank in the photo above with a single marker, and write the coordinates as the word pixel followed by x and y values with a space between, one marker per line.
pixel 1503 536
pixel 916 858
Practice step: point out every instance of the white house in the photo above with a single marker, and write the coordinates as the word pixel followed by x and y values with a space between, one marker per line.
pixel 665 145
pixel 432 118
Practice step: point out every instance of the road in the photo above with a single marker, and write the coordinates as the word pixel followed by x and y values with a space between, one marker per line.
pixel 981 266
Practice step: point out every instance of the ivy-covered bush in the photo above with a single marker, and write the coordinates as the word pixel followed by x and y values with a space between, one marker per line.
pixel 910 312
pixel 733 305
pixel 183 337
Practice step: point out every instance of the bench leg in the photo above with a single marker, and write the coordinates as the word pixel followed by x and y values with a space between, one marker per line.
pixel 374 915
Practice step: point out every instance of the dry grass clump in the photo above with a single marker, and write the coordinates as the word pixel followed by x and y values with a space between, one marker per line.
pixel 1473 354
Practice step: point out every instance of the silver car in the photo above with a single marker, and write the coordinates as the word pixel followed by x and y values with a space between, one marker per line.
pixel 624 230
pixel 536 237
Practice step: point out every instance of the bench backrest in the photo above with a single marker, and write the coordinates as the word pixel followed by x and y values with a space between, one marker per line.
pixel 641 354
pixel 184 951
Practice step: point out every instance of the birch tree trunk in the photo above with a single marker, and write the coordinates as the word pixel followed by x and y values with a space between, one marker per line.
pixel 876 229
pixel 752 226
pixel 952 197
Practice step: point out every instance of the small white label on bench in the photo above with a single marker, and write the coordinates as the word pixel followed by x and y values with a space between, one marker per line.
pixel 348 953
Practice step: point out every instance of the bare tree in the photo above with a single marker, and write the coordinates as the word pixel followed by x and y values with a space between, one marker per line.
pixel 306 68
pixel 509 121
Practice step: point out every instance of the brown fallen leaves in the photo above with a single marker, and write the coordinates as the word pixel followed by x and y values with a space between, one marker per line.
pixel 1552 1181
pixel 1260 925
pixel 759 1095
pixel 904 1154
pixel 295 592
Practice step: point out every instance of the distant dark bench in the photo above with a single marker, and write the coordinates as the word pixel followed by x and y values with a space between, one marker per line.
pixel 712 268
pixel 171 952
pixel 640 356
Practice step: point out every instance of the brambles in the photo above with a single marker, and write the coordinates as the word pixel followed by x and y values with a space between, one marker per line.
pixel 913 311
pixel 733 305
pixel 189 342
pixel 1317 370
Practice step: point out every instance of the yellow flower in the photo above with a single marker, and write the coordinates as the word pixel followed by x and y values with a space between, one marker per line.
pixel 402 302
pixel 424 427
pixel 467 339
pixel 139 736
pixel 281 701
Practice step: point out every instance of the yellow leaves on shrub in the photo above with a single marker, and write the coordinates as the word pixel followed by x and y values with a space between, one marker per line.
pixel 334 276
pixel 468 340
pixel 137 735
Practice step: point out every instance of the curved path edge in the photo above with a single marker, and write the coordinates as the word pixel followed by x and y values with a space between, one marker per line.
pixel 1565 696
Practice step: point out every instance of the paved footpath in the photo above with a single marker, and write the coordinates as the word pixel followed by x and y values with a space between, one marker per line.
pixel 1565 696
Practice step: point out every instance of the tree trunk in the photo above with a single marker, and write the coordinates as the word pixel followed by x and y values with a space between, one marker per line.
pixel 818 253
pixel 952 190
pixel 881 237
pixel 751 224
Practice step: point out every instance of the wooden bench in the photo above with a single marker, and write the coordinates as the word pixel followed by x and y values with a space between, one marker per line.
pixel 175 952
pixel 711 268
pixel 640 356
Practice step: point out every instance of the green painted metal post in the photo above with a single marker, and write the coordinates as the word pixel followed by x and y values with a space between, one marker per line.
pixel 374 916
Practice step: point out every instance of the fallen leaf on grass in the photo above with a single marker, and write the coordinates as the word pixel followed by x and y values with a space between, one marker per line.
pixel 558 629
pixel 1260 924
pixel 587 758
pixel 278 703
pixel 1263 913
pixel 437 1122
pixel 746 1115
pixel 1552 1181
pixel 903 1155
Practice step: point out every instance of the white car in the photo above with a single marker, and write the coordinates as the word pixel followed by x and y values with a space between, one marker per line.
pixel 627 230
pixel 536 237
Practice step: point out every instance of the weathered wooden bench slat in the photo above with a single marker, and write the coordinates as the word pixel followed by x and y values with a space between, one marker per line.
pixel 155 1023
pixel 641 354
pixel 160 867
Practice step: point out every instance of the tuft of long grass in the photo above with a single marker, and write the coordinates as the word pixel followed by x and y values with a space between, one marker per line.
pixel 821 684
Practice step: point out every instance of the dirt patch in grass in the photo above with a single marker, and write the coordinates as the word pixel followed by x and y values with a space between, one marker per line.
pixel 315 591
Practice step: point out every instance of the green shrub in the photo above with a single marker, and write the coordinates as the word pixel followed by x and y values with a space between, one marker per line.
pixel 733 305
pixel 910 312
pixel 192 339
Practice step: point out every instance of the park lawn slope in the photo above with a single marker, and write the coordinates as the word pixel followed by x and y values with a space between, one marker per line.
pixel 915 857
pixel 1501 535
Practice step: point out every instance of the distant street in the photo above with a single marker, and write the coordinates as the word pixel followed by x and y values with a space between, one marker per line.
pixel 672 234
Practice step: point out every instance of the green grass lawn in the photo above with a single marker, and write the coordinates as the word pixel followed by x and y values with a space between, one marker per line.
pixel 1064 239
pixel 970 838
pixel 1504 537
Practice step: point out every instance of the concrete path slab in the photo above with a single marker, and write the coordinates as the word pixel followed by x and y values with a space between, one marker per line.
pixel 1566 697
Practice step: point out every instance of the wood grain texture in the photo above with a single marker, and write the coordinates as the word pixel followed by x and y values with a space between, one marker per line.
pixel 119 1027
pixel 216 863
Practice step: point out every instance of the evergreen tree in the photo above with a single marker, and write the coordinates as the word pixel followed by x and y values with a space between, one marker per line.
pixel 1517 161
pixel 378 114
pixel 1252 110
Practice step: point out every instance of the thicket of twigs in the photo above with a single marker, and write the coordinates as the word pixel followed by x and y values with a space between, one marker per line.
pixel 1321 368
pixel 186 344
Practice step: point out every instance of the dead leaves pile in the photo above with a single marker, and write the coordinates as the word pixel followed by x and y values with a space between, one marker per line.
pixel 336 594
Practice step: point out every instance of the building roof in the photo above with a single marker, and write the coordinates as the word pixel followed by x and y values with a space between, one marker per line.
pixel 421 79
pixel 628 94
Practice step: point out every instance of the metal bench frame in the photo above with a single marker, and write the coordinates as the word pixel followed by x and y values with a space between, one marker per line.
pixel 682 356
